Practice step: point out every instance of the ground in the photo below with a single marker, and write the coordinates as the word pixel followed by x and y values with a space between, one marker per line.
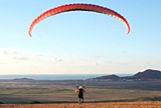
pixel 26 92
pixel 89 105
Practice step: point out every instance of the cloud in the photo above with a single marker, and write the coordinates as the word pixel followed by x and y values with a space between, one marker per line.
pixel 2 63
pixel 11 54
pixel 21 58
pixel 58 59
pixel 8 51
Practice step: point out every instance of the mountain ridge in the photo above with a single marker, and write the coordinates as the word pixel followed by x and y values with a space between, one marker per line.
pixel 149 74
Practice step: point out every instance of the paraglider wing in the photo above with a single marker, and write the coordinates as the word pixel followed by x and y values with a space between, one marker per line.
pixel 81 7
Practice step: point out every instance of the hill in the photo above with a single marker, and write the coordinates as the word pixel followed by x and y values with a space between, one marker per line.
pixel 148 74
pixel 23 79
pixel 108 77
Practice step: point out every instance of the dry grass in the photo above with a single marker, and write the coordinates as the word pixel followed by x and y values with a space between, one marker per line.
pixel 89 105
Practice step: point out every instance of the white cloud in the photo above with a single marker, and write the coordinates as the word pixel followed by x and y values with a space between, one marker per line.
pixel 9 51
pixel 22 58
pixel 58 59
pixel 14 61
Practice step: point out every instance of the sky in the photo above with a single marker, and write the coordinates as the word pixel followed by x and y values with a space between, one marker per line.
pixel 79 42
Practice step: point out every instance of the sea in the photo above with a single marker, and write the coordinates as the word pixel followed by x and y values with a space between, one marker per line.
pixel 51 76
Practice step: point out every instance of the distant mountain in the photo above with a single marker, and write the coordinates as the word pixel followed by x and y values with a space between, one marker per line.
pixel 23 79
pixel 148 74
pixel 108 77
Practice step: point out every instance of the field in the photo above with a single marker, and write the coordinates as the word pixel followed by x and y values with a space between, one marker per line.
pixel 32 91
pixel 89 105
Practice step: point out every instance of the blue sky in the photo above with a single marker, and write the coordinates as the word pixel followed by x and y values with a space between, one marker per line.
pixel 79 42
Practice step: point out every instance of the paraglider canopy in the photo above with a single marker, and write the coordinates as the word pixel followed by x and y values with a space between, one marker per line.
pixel 75 7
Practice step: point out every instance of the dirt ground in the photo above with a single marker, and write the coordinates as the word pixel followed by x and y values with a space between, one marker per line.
pixel 26 92
pixel 88 105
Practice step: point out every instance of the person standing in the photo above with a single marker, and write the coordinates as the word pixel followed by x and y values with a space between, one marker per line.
pixel 80 91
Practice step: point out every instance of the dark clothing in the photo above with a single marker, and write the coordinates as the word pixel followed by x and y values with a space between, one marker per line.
pixel 80 94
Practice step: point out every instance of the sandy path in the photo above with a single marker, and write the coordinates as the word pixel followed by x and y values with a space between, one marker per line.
pixel 89 105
